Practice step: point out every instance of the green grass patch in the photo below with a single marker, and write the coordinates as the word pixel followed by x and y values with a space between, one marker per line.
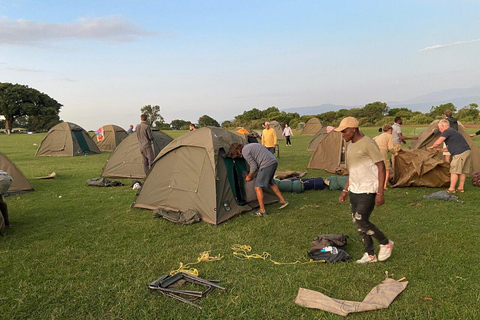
pixel 89 255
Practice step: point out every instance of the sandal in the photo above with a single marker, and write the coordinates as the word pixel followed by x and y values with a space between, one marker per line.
pixel 450 191
pixel 461 190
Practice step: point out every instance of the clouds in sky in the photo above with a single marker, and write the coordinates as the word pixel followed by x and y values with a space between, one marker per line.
pixel 439 46
pixel 26 32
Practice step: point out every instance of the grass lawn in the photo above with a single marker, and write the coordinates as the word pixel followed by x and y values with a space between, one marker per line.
pixel 78 252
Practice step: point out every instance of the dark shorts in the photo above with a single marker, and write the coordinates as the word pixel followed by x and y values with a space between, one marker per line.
pixel 265 176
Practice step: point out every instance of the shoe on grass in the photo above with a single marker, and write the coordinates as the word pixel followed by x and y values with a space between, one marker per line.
pixel 367 258
pixel 283 205
pixel 385 251
pixel 260 213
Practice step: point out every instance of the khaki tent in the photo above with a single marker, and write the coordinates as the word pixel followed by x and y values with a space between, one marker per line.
pixel 20 184
pixel 126 160
pixel 329 155
pixel 312 127
pixel 192 173
pixel 420 168
pixel 430 135
pixel 109 137
pixel 317 139
pixel 67 139
pixel 275 125
pixel 300 126
pixel 249 135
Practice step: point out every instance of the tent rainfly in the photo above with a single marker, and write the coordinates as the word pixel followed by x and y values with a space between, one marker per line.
pixel 20 183
pixel 250 135
pixel 430 135
pixel 300 126
pixel 192 172
pixel 312 127
pixel 126 160
pixel 67 139
pixel 275 125
pixel 317 139
pixel 329 155
pixel 109 137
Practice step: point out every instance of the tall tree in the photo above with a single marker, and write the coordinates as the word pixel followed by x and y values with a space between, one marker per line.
pixel 153 114
pixel 179 124
pixel 205 121
pixel 39 110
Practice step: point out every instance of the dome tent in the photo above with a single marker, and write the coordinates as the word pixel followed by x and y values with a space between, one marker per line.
pixel 109 137
pixel 312 127
pixel 20 183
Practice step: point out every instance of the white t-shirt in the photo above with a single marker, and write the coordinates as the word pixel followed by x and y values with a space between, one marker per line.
pixel 396 129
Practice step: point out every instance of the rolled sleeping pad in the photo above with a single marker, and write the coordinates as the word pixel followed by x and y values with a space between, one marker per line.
pixel 313 183
pixel 294 185
pixel 337 182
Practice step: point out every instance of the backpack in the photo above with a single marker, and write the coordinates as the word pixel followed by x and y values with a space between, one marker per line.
pixel 325 240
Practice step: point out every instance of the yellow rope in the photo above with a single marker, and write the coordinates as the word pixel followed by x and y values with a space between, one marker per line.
pixel 243 252
pixel 204 257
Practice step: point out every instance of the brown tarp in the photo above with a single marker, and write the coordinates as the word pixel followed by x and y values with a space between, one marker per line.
pixel 61 141
pixel 126 160
pixel 380 297
pixel 330 154
pixel 20 183
pixel 312 127
pixel 112 136
pixel 420 168
pixel 430 135
pixel 317 139
pixel 275 125
pixel 190 173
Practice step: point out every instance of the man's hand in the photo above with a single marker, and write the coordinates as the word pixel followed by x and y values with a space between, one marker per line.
pixel 404 142
pixel 248 178
pixel 379 199
pixel 431 148
pixel 343 197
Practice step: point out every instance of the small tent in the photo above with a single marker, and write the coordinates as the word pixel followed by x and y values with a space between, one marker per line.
pixel 109 137
pixel 275 125
pixel 20 184
pixel 312 127
pixel 192 172
pixel 317 139
pixel 329 154
pixel 420 168
pixel 300 126
pixel 431 134
pixel 67 139
pixel 250 135
pixel 126 160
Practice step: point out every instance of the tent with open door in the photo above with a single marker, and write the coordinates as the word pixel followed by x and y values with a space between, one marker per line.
pixel 126 160
pixel 20 183
pixel 193 172
pixel 275 125
pixel 109 137
pixel 329 154
pixel 67 139
pixel 312 127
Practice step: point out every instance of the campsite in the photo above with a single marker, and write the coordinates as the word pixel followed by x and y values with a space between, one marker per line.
pixel 79 252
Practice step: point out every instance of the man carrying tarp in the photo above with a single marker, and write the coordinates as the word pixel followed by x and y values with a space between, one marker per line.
pixel 145 139
pixel 5 183
pixel 460 151
pixel 365 187
pixel 398 137
pixel 269 138
pixel 264 162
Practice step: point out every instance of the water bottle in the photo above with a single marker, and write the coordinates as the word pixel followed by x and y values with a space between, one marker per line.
pixel 331 249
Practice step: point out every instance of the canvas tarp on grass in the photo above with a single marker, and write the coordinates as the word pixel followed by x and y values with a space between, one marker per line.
pixel 20 183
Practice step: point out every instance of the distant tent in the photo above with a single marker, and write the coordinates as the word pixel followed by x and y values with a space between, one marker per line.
pixel 420 168
pixel 192 172
pixel 20 184
pixel 300 126
pixel 329 154
pixel 275 125
pixel 67 139
pixel 250 135
pixel 126 160
pixel 430 135
pixel 317 139
pixel 312 127
pixel 109 137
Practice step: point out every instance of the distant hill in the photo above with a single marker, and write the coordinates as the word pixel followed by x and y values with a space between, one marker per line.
pixel 460 97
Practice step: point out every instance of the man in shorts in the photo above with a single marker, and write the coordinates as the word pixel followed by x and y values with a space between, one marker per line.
pixel 264 162
pixel 5 183
pixel 365 187
pixel 459 149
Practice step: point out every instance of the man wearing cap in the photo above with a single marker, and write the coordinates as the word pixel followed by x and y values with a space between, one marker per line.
pixel 365 187
pixel 269 138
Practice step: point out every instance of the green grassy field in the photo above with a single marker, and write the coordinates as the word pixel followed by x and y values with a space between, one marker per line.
pixel 78 252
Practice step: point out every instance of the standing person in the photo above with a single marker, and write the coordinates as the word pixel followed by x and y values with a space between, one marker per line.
pixel 191 127
pixel 460 151
pixel 385 144
pixel 145 139
pixel 130 130
pixel 287 132
pixel 262 161
pixel 269 138
pixel 5 183
pixel 365 187
pixel 448 114
pixel 398 137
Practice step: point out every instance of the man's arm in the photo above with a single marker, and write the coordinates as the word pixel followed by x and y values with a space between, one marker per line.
pixel 253 166
pixel 403 138
pixel 379 199
pixel 149 135
pixel 343 196
pixel 438 142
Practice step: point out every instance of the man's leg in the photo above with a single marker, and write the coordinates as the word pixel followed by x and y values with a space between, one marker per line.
pixel 146 166
pixel 461 181
pixel 277 192
pixel 259 192
pixel 4 209
pixel 453 181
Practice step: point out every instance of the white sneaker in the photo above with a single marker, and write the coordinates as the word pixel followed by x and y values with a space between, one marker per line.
pixel 367 258
pixel 385 251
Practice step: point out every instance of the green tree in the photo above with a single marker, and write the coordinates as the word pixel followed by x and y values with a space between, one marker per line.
pixel 468 113
pixel 205 121
pixel 153 114
pixel 40 110
pixel 178 124
pixel 227 124
pixel 438 111
pixel 375 111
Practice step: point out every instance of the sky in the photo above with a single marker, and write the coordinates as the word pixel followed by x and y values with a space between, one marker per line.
pixel 104 60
